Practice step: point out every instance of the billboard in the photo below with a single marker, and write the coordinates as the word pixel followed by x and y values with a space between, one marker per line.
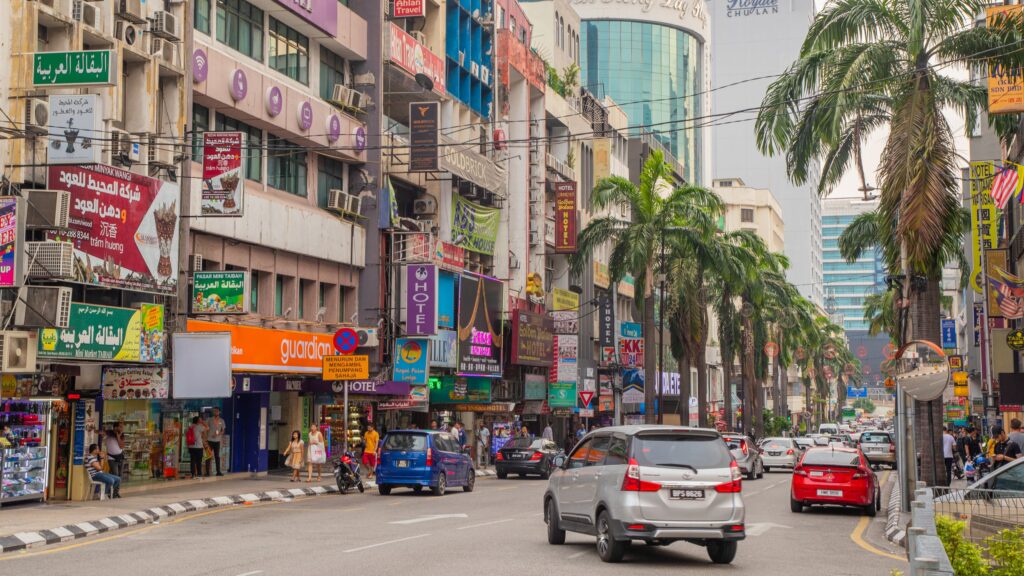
pixel 223 179
pixel 479 327
pixel 107 333
pixel 532 339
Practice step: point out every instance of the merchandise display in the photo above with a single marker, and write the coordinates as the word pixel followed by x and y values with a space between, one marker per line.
pixel 25 465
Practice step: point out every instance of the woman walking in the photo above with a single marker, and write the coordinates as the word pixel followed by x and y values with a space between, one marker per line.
pixel 296 448
pixel 317 453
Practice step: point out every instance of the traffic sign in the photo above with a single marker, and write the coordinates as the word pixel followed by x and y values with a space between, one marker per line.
pixel 586 396
pixel 352 367
pixel 346 340
pixel 956 362
pixel 771 349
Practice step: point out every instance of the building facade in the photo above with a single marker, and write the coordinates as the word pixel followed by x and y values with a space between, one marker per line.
pixel 752 209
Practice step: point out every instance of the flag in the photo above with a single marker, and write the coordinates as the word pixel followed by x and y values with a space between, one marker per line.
pixel 388 211
pixel 1005 184
pixel 1009 293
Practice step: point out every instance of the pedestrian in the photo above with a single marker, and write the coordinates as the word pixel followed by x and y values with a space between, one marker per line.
pixel 1004 450
pixel 194 439
pixel 948 443
pixel 1016 434
pixel 216 434
pixel 370 441
pixel 483 443
pixel 580 432
pixel 548 433
pixel 296 448
pixel 972 446
pixel 95 469
pixel 433 424
pixel 525 432
pixel 460 432
pixel 317 453
pixel 113 444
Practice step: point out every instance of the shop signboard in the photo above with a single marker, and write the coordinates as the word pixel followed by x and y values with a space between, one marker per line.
pixel 565 321
pixel 12 230
pixel 408 8
pixel 404 51
pixel 136 383
pixel 77 68
pixel 1005 85
pixel 85 428
pixel 948 334
pixel 424 123
pixel 442 349
pixel 535 387
pixel 606 328
pixel 223 183
pixel 855 392
pixel 107 333
pixel 446 282
pixel 564 300
pixel 532 339
pixel 279 351
pixel 220 292
pixel 374 387
pixel 480 326
pixel 460 390
pixel 323 14
pixel 565 216
pixel 124 227
pixel 566 354
pixel 627 287
pixel 562 394
pixel 75 130
pixel 984 220
pixel 474 227
pixel 633 386
pixel 411 360
pixel 346 367
pixel 602 278
pixel 421 300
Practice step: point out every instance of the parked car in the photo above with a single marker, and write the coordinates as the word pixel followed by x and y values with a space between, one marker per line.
pixel 657 484
pixel 828 428
pixel 421 459
pixel 779 453
pixel 878 448
pixel 835 476
pixel 526 456
pixel 746 454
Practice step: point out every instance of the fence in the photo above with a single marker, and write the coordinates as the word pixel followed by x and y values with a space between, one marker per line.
pixel 924 549
pixel 983 512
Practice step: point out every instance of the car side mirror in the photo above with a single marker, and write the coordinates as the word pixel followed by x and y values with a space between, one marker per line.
pixel 559 461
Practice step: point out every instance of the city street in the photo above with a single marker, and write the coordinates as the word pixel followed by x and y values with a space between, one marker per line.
pixel 498 528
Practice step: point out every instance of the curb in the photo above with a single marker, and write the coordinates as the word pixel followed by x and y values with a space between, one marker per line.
pixel 25 540
pixel 893 532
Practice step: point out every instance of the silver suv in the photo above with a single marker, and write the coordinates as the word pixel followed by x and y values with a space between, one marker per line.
pixel 658 484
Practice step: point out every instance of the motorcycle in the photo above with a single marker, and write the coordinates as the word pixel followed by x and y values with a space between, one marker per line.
pixel 346 473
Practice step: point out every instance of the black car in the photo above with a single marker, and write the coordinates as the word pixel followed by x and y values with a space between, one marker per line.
pixel 526 456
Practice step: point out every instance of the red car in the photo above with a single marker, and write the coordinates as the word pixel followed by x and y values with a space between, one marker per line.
pixel 835 476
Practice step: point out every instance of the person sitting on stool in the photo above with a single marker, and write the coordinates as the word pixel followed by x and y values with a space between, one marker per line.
pixel 95 469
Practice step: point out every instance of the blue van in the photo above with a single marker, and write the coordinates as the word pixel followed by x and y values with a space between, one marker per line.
pixel 421 459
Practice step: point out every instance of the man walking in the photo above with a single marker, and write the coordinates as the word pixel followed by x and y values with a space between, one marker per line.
pixel 1016 434
pixel 214 437
pixel 483 444
pixel 548 433
pixel 948 443
pixel 370 441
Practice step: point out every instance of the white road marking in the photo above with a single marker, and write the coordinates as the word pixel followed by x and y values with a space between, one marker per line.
pixel 428 518
pixel 578 554
pixel 769 487
pixel 759 528
pixel 253 573
pixel 485 524
pixel 361 548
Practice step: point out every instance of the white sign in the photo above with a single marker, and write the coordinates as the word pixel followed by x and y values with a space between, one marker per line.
pixel 566 369
pixel 136 383
pixel 74 129
pixel 442 349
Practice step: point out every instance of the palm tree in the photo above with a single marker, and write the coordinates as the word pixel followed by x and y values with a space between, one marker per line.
pixel 657 220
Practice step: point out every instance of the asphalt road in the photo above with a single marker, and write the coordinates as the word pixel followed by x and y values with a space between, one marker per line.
pixel 498 529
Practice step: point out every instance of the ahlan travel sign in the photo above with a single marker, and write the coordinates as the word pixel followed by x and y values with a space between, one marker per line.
pixel 220 292
pixel 107 333
pixel 79 68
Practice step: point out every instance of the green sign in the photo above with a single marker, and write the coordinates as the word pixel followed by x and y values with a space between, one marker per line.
pixel 562 394
pixel 107 333
pixel 474 227
pixel 220 292
pixel 81 68
pixel 461 390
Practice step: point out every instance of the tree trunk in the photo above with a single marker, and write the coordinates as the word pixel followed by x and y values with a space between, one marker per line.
pixel 727 369
pixel 685 383
pixel 650 360
pixel 702 386
pixel 747 366
pixel 925 311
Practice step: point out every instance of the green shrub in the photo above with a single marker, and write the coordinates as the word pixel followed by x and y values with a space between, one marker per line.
pixel 1006 549
pixel 964 555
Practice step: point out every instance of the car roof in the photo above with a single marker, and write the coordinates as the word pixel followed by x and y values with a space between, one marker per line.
pixel 633 429
pixel 833 449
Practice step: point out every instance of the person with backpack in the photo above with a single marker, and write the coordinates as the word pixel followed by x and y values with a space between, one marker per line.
pixel 194 439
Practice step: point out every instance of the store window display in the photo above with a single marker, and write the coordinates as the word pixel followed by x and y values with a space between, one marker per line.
pixel 25 455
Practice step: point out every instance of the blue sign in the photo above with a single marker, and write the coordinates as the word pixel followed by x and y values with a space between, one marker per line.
pixel 853 392
pixel 631 330
pixel 446 300
pixel 949 334
pixel 78 441
pixel 411 364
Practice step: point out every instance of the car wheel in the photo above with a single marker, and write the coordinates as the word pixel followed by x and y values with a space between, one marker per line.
pixel 383 489
pixel 761 473
pixel 502 474
pixel 767 469
pixel 442 484
pixel 608 548
pixel 878 500
pixel 721 552
pixel 752 474
pixel 870 510
pixel 470 482
pixel 556 535
pixel 795 505
pixel 521 475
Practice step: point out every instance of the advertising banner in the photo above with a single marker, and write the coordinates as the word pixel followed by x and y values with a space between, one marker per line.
pixel 536 387
pixel 564 300
pixel 566 354
pixel 107 333
pixel 12 227
pixel 405 52
pixel 442 349
pixel 474 227
pixel 1005 85
pixel 1003 286
pixel 223 178
pixel 124 227
pixel 421 300
pixel 565 322
pixel 446 299
pixel 460 390
pixel 220 292
pixel 633 386
pixel 78 68
pixel 562 394
pixel 411 360
pixel 136 382
pixel 75 129
pixel 532 339
pixel 606 327
pixel 424 123
pixel 631 351
pixel 480 326
pixel 948 334
pixel 565 216
pixel 984 220
pixel 264 350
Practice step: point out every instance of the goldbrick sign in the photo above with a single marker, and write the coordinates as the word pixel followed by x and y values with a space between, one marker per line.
pixel 532 339
pixel 565 216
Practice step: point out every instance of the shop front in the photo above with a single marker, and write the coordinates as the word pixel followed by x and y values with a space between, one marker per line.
pixel 30 447
pixel 532 344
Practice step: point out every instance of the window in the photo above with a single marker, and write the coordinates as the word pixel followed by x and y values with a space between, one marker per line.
pixel 278 295
pixel 321 296
pixel 289 52
pixel 254 291
pixel 253 142
pixel 202 16
pixel 1011 479
pixel 698 451
pixel 746 215
pixel 332 71
pixel 328 177
pixel 302 299
pixel 558 37
pixel 618 452
pixel 579 456
pixel 512 25
pixel 831 458
pixel 286 166
pixel 406 442
pixel 598 450
pixel 200 124
pixel 240 26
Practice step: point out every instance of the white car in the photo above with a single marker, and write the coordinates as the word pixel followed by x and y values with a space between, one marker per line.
pixel 779 453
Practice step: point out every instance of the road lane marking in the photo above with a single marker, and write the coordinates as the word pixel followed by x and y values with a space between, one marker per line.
pixel 253 573
pixel 502 489
pixel 578 554
pixel 389 542
pixel 858 533
pixel 485 524
pixel 428 518
pixel 755 492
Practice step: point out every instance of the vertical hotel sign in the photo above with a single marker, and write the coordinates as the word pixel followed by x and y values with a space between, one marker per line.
pixel 421 300
pixel 423 129
pixel 984 224
pixel 1005 85
pixel 565 216
pixel 222 174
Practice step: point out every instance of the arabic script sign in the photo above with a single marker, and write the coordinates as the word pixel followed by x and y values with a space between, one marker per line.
pixel 81 68
pixel 136 382
pixel 107 333
pixel 220 292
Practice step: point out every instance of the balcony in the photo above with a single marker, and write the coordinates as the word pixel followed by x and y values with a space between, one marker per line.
pixel 560 168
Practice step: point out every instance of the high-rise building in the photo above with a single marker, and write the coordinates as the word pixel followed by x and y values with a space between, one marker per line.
pixel 750 48
pixel 753 209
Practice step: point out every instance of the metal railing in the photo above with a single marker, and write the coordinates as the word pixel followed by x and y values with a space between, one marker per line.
pixel 983 512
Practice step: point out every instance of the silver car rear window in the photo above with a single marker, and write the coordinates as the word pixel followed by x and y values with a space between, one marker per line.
pixel 406 442
pixel 870 437
pixel 680 450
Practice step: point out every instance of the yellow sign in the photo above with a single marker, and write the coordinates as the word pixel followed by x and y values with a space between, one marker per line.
pixel 1005 85
pixel 960 378
pixel 564 300
pixel 956 362
pixel 601 277
pixel 960 391
pixel 354 367
pixel 984 223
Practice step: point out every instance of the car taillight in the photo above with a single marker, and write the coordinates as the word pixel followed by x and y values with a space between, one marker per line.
pixel 799 471
pixel 789 452
pixel 430 457
pixel 500 457
pixel 892 447
pixel 860 473
pixel 736 482
pixel 743 446
pixel 537 456
pixel 632 482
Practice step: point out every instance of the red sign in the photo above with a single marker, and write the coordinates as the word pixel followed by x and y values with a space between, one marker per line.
pixel 406 53
pixel 222 174
pixel 408 8
pixel 586 396
pixel 771 349
pixel 631 352
pixel 346 340
pixel 565 216
pixel 124 227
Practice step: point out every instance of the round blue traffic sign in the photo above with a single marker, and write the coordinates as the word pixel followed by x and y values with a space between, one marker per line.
pixel 346 341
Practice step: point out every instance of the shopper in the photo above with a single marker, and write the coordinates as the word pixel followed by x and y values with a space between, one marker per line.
pixel 948 444
pixel 1016 434
pixel 1004 450
pixel 194 439
pixel 548 433
pixel 216 434
pixel 113 444
pixel 460 434
pixel 483 444
pixel 296 448
pixel 370 440
pixel 95 469
pixel 317 453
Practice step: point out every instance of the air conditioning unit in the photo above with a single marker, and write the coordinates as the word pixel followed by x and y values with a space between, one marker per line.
pixel 534 238
pixel 367 337
pixel 47 208
pixel 419 37
pixel 127 32
pixel 424 206
pixel 50 260
pixel 336 200
pixel 164 50
pixel 18 351
pixel 44 307
pixel 161 153
pixel 165 25
pixel 360 100
pixel 59 6
pixel 354 204
pixel 85 13
pixel 131 10
pixel 37 115
pixel 342 95
pixel 197 262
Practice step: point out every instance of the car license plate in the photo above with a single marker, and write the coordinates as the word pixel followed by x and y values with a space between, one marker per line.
pixel 515 456
pixel 682 494
pixel 401 463
pixel 774 453
pixel 837 493
pixel 817 473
